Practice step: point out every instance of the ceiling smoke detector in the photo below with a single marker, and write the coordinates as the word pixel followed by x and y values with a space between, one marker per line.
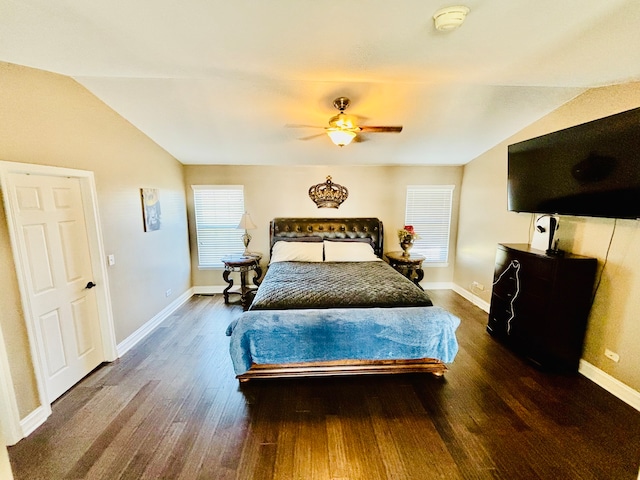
pixel 450 18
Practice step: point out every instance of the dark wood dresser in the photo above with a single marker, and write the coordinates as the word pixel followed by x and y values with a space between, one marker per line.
pixel 540 304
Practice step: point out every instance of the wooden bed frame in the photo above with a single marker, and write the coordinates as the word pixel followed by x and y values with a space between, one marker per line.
pixel 344 367
pixel 340 229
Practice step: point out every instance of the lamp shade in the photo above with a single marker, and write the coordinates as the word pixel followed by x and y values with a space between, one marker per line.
pixel 341 137
pixel 246 223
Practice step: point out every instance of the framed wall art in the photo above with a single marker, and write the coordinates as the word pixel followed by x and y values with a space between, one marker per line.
pixel 150 209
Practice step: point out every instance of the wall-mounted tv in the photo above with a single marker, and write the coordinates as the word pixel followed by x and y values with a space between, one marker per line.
pixel 592 170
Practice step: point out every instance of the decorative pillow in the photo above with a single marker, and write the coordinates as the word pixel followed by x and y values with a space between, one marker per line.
pixel 349 252
pixel 296 252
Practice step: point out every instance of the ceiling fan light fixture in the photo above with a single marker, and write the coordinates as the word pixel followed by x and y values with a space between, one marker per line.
pixel 450 18
pixel 344 128
pixel 342 121
pixel 341 137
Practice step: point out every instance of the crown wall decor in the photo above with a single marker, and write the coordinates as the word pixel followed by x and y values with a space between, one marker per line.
pixel 328 194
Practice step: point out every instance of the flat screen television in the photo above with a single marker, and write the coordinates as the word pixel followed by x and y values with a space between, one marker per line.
pixel 592 170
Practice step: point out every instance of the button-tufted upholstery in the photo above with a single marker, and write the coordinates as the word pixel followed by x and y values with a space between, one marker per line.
pixel 345 229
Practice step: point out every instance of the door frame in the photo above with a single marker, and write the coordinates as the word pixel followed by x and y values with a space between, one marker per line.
pixel 13 427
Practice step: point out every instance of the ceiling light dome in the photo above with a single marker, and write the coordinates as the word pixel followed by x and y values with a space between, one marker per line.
pixel 450 18
pixel 341 137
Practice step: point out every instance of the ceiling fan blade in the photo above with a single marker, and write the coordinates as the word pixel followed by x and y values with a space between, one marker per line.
pixel 310 137
pixel 370 129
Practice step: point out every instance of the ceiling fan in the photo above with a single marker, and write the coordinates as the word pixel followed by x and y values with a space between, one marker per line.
pixel 342 129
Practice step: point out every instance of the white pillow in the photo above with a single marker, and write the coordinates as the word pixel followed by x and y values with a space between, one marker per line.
pixel 349 252
pixel 296 252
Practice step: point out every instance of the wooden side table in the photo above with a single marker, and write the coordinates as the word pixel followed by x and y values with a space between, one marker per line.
pixel 244 265
pixel 410 267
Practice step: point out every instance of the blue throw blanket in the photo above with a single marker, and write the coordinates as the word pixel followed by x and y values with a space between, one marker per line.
pixel 293 336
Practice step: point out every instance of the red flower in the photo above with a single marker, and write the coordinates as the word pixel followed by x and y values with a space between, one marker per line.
pixel 409 228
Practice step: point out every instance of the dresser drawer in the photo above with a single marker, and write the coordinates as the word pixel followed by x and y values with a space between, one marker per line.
pixel 539 304
pixel 499 315
pixel 517 276
pixel 533 265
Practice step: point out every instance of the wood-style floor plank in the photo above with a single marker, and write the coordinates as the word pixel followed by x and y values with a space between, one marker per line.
pixel 171 408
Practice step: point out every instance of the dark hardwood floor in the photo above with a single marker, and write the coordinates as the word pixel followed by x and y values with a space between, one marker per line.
pixel 172 409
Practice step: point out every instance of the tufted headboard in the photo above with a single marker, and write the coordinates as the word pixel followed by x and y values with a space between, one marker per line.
pixel 347 229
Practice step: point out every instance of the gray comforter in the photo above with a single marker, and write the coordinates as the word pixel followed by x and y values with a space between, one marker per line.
pixel 303 285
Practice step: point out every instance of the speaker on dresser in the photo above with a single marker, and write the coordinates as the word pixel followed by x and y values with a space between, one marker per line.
pixel 545 235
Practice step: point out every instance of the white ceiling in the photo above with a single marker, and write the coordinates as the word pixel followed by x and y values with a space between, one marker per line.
pixel 216 82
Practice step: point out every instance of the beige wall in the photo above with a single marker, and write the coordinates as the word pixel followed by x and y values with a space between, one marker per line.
pixel 51 120
pixel 283 192
pixel 485 222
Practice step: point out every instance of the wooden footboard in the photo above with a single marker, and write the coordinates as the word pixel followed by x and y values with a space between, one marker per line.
pixel 344 367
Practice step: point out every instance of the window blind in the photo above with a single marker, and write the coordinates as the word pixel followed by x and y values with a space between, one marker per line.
pixel 218 210
pixel 428 209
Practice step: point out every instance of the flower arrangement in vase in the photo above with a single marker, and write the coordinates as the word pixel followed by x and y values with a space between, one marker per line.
pixel 407 235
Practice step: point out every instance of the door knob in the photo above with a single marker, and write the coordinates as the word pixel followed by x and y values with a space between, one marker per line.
pixel 90 285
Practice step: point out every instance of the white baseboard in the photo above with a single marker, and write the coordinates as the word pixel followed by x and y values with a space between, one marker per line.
pixel 139 335
pixel 477 301
pixel 624 392
pixel 597 376
pixel 437 285
pixel 606 381
pixel 34 420
pixel 208 289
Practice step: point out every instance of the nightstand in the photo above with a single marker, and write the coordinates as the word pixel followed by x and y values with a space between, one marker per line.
pixel 243 264
pixel 410 267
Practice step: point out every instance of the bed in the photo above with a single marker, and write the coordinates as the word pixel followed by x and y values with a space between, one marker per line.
pixel 329 305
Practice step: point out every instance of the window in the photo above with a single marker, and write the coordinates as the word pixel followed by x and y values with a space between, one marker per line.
pixel 428 209
pixel 218 209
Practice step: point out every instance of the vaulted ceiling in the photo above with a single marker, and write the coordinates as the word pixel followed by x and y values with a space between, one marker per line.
pixel 218 82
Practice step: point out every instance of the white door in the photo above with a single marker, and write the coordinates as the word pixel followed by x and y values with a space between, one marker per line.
pixel 53 240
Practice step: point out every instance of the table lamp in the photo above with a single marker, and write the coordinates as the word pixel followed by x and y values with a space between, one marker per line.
pixel 246 224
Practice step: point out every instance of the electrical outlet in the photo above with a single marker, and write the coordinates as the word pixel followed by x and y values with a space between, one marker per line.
pixel 611 355
pixel 167 293
pixel 477 286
